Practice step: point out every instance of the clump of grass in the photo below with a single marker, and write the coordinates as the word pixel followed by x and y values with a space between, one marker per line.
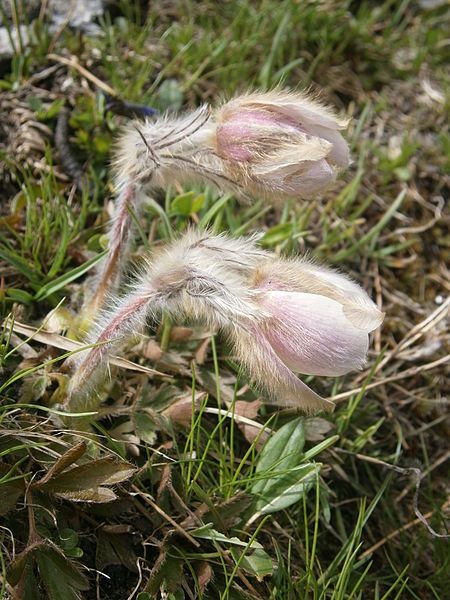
pixel 191 463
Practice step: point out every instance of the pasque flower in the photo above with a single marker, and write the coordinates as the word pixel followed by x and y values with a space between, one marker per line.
pixel 316 322
pixel 281 143
pixel 275 145
pixel 282 316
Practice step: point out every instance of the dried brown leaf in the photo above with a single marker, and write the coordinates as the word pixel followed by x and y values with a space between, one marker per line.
pixel 251 432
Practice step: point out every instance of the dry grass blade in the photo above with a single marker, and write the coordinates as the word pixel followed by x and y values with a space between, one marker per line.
pixel 417 332
pixel 59 341
pixel 397 377
pixel 400 530
pixel 72 62
pixel 168 518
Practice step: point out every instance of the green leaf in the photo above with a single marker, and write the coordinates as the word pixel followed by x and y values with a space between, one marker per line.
pixel 29 588
pixel 61 579
pixel 53 286
pixel 372 233
pixel 146 428
pixel 277 234
pixel 258 563
pixel 64 238
pixel 182 204
pixel 64 461
pixel 213 211
pixel 34 102
pixel 160 212
pixel 167 573
pixel 115 548
pixel 51 111
pixel 28 270
pixel 282 451
pixel 68 539
pixel 309 454
pixel 170 94
pixel 19 295
pixel 287 489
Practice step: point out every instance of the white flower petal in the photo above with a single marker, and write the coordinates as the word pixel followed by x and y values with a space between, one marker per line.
pixel 357 305
pixel 312 335
pixel 339 154
pixel 272 375
pixel 302 275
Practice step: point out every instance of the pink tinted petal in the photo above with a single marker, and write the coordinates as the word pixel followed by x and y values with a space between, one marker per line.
pixel 357 305
pixel 237 136
pixel 272 375
pixel 312 335
pixel 307 110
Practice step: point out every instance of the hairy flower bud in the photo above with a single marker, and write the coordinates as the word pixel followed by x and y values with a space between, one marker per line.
pixel 280 143
pixel 317 323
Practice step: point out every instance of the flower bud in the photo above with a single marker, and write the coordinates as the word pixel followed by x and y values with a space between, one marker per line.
pixel 280 143
pixel 316 322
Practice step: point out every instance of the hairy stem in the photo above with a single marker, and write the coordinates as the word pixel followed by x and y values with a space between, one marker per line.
pixel 119 236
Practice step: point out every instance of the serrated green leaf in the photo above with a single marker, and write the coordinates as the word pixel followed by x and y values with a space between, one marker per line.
pixel 167 573
pixel 29 588
pixel 115 549
pixel 63 462
pixel 61 579
pixel 146 428
pixel 10 492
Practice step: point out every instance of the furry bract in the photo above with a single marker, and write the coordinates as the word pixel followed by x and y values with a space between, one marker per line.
pixel 282 316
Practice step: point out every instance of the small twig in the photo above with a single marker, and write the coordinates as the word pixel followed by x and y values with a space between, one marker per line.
pixel 416 332
pixel 237 418
pixel 139 581
pixel 72 62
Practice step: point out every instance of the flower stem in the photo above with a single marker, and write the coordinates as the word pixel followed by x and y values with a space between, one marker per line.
pixel 165 334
